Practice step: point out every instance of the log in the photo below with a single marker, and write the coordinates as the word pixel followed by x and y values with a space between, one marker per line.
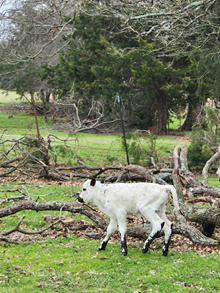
pixel 214 192
pixel 140 171
pixel 72 207
pixel 75 207
pixel 183 229
pixel 211 214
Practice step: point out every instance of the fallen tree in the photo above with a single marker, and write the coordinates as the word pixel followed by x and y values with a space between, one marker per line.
pixel 35 164
pixel 180 227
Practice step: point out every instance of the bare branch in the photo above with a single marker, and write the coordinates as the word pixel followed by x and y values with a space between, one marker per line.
pixel 208 164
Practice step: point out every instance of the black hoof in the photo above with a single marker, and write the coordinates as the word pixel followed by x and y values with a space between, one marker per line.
pixel 103 245
pixel 101 248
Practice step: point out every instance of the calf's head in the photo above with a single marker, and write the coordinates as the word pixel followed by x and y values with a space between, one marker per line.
pixel 88 191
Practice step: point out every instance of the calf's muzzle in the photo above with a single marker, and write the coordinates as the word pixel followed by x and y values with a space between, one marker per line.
pixel 80 199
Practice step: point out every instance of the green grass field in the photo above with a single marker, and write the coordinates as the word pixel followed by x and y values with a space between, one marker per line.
pixel 72 264
pixel 92 149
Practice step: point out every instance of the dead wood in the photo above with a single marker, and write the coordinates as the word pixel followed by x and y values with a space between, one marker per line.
pixel 183 229
pixel 72 224
pixel 189 180
pixel 75 207
pixel 203 199
pixel 214 192
pixel 209 218
pixel 218 172
pixel 208 164
pixel 183 180
pixel 140 171
pixel 3 235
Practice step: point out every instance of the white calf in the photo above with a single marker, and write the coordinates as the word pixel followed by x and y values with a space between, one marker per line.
pixel 118 200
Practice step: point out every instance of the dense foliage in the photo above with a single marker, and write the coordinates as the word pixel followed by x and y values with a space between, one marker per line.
pixel 87 53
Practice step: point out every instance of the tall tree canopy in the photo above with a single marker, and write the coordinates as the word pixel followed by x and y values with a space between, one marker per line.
pixel 138 49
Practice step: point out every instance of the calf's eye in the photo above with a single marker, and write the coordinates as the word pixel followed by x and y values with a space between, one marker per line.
pixel 84 189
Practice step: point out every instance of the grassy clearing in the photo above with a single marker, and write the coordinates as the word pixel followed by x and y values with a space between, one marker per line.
pixel 92 149
pixel 72 264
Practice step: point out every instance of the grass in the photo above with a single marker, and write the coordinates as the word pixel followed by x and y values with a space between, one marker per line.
pixel 92 149
pixel 72 264
pixel 213 180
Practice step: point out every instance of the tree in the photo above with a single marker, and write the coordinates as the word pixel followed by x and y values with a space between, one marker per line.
pixel 33 32
pixel 180 24
pixel 100 67
pixel 173 29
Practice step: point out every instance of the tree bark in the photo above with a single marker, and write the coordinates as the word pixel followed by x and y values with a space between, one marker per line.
pixel 218 172
pixel 75 207
pixel 190 119
pixel 140 171
pixel 202 191
pixel 208 164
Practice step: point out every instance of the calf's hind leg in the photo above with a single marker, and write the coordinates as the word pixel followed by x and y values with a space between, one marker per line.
pixel 110 230
pixel 167 231
pixel 167 228
pixel 157 225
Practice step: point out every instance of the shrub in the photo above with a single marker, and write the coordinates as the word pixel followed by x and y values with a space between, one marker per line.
pixel 199 151
pixel 140 148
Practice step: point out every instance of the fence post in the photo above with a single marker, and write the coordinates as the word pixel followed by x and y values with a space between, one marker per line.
pixel 123 128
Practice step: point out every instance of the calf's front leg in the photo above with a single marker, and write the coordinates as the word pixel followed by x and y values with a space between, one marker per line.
pixel 124 249
pixel 122 229
pixel 110 230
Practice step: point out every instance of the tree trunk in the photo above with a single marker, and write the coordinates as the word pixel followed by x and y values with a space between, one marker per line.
pixel 194 117
pixel 190 118
pixel 162 114
pixel 32 99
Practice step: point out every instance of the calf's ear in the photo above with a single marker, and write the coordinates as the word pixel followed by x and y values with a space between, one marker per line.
pixel 92 183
